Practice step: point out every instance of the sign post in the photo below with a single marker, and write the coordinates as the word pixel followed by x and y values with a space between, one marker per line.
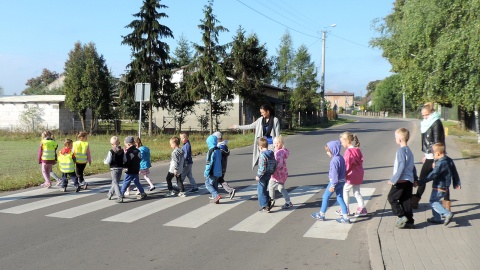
pixel 142 93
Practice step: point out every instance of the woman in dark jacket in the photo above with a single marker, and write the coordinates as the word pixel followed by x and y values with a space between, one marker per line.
pixel 432 132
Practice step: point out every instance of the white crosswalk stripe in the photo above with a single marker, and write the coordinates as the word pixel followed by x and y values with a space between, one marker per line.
pixel 263 222
pixel 27 194
pixel 330 228
pixel 210 211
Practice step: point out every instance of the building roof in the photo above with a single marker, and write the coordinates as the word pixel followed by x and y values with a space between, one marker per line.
pixel 33 99
pixel 344 93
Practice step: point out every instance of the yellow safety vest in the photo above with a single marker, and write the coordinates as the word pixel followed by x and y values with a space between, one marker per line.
pixel 65 162
pixel 80 151
pixel 48 149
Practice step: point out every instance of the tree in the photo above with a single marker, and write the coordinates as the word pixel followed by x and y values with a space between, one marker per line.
pixel 87 84
pixel 283 64
pixel 209 75
pixel 305 97
pixel 250 67
pixel 32 118
pixel 38 85
pixel 150 57
pixel 388 95
pixel 183 54
pixel 371 87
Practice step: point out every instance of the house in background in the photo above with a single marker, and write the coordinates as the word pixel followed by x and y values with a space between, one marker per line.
pixel 343 99
pixel 52 113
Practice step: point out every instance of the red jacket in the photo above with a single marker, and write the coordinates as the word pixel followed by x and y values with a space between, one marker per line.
pixel 354 163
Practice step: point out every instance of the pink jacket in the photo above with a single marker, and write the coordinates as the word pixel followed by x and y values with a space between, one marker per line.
pixel 354 163
pixel 281 173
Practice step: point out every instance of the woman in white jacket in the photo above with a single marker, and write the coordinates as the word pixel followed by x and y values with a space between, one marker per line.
pixel 267 126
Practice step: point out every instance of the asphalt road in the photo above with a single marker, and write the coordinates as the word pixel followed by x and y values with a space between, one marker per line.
pixel 48 229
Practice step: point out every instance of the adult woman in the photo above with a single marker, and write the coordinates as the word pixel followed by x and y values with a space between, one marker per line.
pixel 432 132
pixel 267 126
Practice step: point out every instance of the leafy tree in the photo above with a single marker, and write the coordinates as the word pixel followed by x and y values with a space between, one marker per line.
pixel 388 95
pixel 183 54
pixel 249 67
pixel 371 87
pixel 305 97
pixel 87 84
pixel 32 118
pixel 150 57
pixel 283 65
pixel 209 76
pixel 38 85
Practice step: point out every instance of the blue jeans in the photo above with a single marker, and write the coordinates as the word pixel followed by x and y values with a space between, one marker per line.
pixel 262 189
pixel 435 202
pixel 211 183
pixel 339 192
pixel 128 179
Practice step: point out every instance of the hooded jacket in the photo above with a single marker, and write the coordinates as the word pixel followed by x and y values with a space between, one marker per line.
pixel 337 170
pixel 262 162
pixel 354 165
pixel 281 173
pixel 225 153
pixel 145 162
pixel 213 166
pixel 115 157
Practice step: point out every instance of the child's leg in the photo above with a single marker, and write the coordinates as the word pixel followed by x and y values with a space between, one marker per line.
pixel 64 180
pixel 341 201
pixel 346 195
pixel 181 188
pixel 169 181
pixel 435 201
pixel 46 169
pixel 126 183
pixel 284 192
pixel 393 197
pixel 406 200
pixel 115 189
pixel 271 188
pixel 326 196
pixel 262 190
pixel 145 174
pixel 136 181
pixel 79 168
pixel 210 183
pixel 227 187
pixel 187 172
pixel 358 196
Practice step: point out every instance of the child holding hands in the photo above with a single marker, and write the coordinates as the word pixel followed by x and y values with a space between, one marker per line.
pixel 281 173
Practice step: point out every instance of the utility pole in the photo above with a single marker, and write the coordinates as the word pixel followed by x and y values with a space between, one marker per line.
pixel 322 80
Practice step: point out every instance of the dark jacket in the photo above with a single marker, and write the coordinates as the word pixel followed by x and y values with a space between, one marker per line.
pixel 442 174
pixel 435 134
pixel 117 157
pixel 133 160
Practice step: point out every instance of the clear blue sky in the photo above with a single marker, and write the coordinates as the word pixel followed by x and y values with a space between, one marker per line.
pixel 40 34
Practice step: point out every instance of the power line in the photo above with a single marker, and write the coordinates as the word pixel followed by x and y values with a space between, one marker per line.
pixel 350 41
pixel 288 27
pixel 301 16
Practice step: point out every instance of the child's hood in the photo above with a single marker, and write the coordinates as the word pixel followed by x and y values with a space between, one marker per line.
pixel 284 152
pixel 117 149
pixel 65 150
pixel 356 155
pixel 334 147
pixel 269 154
pixel 212 141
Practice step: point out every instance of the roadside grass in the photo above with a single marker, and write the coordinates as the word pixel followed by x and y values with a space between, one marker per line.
pixel 465 140
pixel 19 166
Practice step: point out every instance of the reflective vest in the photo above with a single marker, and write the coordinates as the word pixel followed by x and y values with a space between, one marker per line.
pixel 65 162
pixel 48 149
pixel 80 151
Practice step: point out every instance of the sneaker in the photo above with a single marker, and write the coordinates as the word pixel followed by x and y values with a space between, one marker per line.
pixel 109 196
pixel 182 194
pixel 217 199
pixel 211 197
pixel 343 220
pixel 318 216
pixel 232 194
pixel 77 188
pixel 85 186
pixel 287 205
pixel 137 193
pixel 46 185
pixel 409 226
pixel 64 189
pixel 271 203
pixel 127 193
pixel 339 212
pixel 361 212
pixel 152 188
pixel 264 210
pixel 135 189
pixel 401 221
pixel 193 190
pixel 448 218
pixel 142 196
pixel 170 193
pixel 433 220
pixel 119 200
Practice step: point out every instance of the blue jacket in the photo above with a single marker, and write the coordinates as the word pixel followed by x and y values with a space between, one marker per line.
pixel 442 174
pixel 338 169
pixel 262 162
pixel 145 162
pixel 213 166
pixel 187 153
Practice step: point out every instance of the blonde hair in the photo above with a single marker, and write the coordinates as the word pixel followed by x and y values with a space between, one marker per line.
pixel 114 140
pixel 279 139
pixel 350 138
pixel 46 134
pixel 403 133
pixel 82 134
pixel 428 107
pixel 67 142
pixel 262 142
pixel 439 147
pixel 175 140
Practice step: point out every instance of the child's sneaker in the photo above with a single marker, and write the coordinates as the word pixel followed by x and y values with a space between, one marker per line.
pixel 287 205
pixel 401 221
pixel 137 193
pixel 127 193
pixel 318 216
pixel 271 204
pixel 182 194
pixel 361 212
pixel 170 193
pixel 339 212
pixel 46 185
pixel 217 199
pixel 343 220
pixel 142 196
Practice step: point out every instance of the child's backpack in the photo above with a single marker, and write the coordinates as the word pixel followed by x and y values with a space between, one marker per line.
pixel 271 165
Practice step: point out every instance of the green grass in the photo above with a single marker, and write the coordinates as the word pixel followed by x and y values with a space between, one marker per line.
pixel 19 166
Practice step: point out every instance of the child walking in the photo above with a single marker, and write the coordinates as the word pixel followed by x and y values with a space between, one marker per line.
pixel 266 167
pixel 66 162
pixel 188 163
pixel 115 159
pixel 354 172
pixel 443 173
pixel 222 144
pixel 213 168
pixel 145 163
pixel 281 173
pixel 175 169
pixel 336 174
pixel 132 165
pixel 81 149
pixel 404 173
pixel 47 156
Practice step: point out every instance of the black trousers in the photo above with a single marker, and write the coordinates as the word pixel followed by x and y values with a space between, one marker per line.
pixel 399 198
pixel 426 169
pixel 79 168
pixel 169 178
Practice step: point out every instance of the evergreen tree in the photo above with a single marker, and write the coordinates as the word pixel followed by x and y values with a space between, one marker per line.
pixel 183 53
pixel 305 97
pixel 283 64
pixel 150 57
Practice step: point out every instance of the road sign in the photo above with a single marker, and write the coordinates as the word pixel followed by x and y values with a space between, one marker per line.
pixel 142 92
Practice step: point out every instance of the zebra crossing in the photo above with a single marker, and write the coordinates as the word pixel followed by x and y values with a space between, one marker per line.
pixel 255 223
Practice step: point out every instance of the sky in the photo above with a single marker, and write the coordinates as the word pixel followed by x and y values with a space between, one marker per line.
pixel 40 34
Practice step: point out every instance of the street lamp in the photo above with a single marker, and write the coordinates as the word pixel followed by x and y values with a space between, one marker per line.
pixel 322 82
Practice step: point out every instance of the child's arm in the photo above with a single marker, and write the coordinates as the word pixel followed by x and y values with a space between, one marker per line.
pixel 346 156
pixel 40 154
pixel 455 177
pixel 400 167
pixel 436 172
pixel 176 160
pixel 261 167
pixel 89 157
pixel 108 159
